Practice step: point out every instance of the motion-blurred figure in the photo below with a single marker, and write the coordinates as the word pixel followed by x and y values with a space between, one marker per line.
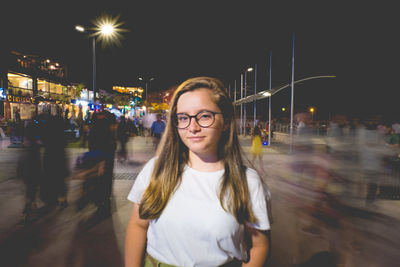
pixel 157 129
pixel 30 167
pixel 148 120
pixel 102 140
pixel 53 188
pixel 256 147
pixel 370 156
pixel 123 133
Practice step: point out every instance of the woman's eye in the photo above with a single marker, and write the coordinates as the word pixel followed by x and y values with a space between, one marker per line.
pixel 205 116
pixel 182 118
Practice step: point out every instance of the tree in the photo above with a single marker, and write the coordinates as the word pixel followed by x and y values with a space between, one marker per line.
pixel 78 90
pixel 122 100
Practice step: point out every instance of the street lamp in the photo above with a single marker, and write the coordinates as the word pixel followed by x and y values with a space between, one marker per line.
pixel 245 95
pixel 146 83
pixel 106 30
pixel 312 110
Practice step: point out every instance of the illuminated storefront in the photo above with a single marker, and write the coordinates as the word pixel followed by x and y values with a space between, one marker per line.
pixel 19 96
pixel 31 84
pixel 52 95
pixel 28 96
pixel 134 91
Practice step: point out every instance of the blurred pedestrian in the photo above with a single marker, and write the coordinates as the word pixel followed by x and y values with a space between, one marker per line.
pixel 17 115
pixel 370 158
pixel 123 134
pixel 248 129
pixel 102 140
pixel 196 203
pixel 141 128
pixel 53 189
pixel 66 114
pixel 30 167
pixel 72 121
pixel 157 129
pixel 18 128
pixel 256 147
pixel 148 120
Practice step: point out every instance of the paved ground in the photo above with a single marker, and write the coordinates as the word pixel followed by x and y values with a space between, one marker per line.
pixel 71 238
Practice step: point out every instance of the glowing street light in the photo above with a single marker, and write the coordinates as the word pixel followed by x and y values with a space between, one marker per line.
pixel 107 29
pixel 107 32
pixel 79 28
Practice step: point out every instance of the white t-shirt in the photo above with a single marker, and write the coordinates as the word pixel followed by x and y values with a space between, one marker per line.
pixel 194 229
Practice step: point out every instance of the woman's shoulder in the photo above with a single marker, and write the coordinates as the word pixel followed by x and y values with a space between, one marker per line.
pixel 252 176
pixel 149 165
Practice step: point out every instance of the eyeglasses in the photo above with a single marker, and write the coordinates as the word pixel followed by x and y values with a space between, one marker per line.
pixel 204 119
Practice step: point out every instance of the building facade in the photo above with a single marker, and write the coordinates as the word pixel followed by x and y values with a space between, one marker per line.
pixel 31 84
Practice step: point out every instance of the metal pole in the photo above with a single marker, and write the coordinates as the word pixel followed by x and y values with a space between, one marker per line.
pixel 269 109
pixel 245 106
pixel 146 100
pixel 292 100
pixel 94 71
pixel 255 92
pixel 241 104
pixel 234 97
pixel 146 93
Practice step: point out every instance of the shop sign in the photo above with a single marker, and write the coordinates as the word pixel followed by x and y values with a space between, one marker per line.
pixel 19 99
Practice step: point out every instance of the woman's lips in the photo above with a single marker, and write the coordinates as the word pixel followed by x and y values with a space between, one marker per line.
pixel 196 138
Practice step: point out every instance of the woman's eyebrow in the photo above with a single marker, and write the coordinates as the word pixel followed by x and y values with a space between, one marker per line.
pixel 201 110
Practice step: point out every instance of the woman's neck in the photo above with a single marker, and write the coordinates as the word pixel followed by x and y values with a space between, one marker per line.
pixel 205 163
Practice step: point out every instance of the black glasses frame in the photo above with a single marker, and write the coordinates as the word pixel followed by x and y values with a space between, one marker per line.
pixel 195 118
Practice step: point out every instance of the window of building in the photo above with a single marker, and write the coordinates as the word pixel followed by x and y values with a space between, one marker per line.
pixel 59 89
pixel 43 86
pixel 19 81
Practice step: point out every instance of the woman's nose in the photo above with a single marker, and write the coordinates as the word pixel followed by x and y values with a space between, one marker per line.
pixel 194 126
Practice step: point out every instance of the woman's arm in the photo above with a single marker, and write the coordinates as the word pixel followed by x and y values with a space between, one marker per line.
pixel 135 239
pixel 259 248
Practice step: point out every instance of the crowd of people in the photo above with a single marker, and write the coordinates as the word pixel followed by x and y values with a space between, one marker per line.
pixel 43 163
pixel 44 176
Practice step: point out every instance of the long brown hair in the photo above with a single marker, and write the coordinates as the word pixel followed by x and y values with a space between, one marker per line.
pixel 172 156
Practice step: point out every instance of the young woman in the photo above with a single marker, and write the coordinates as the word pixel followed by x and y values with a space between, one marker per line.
pixel 195 203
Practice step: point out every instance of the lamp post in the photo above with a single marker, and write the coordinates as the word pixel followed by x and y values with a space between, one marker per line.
pixel 106 31
pixel 146 83
pixel 292 101
pixel 245 95
pixel 270 100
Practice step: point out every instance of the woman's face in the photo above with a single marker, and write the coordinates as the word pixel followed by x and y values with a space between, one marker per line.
pixel 199 140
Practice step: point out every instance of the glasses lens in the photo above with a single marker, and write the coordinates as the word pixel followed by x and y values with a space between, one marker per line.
pixel 205 118
pixel 182 121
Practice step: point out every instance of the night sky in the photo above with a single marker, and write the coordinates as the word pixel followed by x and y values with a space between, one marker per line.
pixel 175 40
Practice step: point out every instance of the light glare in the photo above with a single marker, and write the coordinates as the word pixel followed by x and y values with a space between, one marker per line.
pixel 79 28
pixel 267 94
pixel 107 29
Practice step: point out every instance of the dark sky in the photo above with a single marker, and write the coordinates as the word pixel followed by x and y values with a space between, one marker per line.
pixel 175 40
